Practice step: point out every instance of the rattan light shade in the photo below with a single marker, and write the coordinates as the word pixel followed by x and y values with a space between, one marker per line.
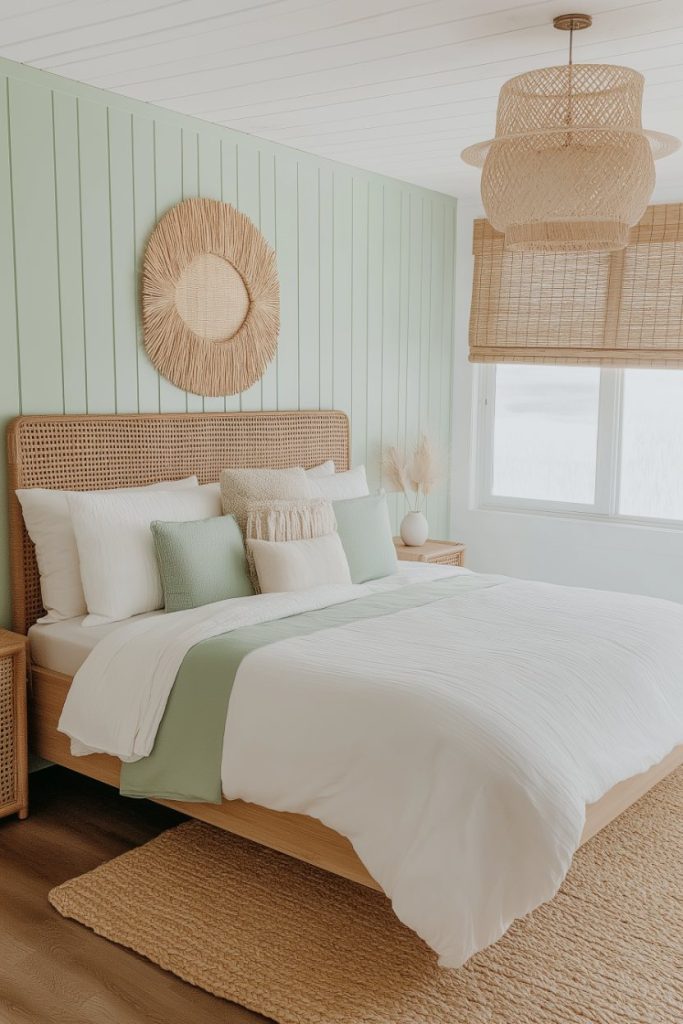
pixel 210 298
pixel 622 308
pixel 570 168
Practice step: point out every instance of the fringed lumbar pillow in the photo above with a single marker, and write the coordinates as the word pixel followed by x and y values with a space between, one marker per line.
pixel 210 298
pixel 280 521
pixel 240 488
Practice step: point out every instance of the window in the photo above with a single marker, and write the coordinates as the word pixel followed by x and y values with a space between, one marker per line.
pixel 652 444
pixel 582 439
pixel 545 432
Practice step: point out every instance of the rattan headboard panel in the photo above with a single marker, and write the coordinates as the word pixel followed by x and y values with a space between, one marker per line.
pixel 81 453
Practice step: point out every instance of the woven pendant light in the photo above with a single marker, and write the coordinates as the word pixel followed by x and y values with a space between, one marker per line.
pixel 571 168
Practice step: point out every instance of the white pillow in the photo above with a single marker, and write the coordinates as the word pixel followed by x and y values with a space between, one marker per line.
pixel 116 548
pixel 299 564
pixel 352 484
pixel 48 522
pixel 324 469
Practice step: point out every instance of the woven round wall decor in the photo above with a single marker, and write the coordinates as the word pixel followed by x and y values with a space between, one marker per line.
pixel 210 298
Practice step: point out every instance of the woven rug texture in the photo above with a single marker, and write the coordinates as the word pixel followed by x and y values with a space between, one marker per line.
pixel 301 946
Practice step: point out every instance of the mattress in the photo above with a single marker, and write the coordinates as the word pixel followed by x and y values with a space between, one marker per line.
pixel 64 646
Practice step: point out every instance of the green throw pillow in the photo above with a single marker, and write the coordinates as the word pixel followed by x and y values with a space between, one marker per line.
pixel 365 532
pixel 201 562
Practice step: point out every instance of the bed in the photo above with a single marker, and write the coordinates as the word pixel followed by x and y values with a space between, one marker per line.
pixel 94 452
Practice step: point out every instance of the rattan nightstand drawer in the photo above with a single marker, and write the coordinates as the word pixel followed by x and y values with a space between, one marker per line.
pixel 13 738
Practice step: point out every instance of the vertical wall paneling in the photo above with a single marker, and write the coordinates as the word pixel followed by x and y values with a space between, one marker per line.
pixel 425 312
pixel 229 194
pixel 287 236
pixel 35 247
pixel 190 183
pixel 359 322
pixel 404 319
pixel 366 267
pixel 190 165
pixel 447 342
pixel 69 233
pixel 10 399
pixel 326 287
pixel 248 201
pixel 229 173
pixel 267 200
pixel 342 298
pixel 375 299
pixel 123 272
pixel 168 176
pixel 415 297
pixel 309 286
pixel 391 321
pixel 436 324
pixel 211 187
pixel 144 208
pixel 210 167
pixel 93 147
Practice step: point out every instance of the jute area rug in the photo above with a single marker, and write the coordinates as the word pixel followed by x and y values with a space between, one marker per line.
pixel 304 947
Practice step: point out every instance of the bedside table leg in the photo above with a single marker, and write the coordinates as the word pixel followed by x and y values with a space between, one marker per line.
pixel 23 814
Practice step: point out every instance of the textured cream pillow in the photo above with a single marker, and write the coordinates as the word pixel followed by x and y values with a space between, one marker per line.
pixel 299 564
pixel 240 487
pixel 287 520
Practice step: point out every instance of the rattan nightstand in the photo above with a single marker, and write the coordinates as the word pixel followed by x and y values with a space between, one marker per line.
pixel 13 730
pixel 444 552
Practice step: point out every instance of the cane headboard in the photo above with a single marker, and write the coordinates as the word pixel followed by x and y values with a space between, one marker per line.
pixel 81 453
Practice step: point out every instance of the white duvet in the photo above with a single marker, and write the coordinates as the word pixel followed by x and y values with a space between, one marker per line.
pixel 456 744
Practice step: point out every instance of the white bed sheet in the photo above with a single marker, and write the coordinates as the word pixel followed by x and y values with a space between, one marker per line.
pixel 64 646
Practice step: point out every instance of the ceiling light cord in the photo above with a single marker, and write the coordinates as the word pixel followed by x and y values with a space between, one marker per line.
pixel 568 139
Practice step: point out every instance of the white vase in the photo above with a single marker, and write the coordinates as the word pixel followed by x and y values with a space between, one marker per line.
pixel 414 529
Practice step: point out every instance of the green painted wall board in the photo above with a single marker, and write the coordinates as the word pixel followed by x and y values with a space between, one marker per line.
pixel 366 269
pixel 69 245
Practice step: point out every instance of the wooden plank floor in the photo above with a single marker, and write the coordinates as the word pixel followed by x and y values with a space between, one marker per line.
pixel 54 970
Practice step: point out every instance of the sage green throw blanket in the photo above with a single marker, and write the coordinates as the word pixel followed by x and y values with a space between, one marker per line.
pixel 185 763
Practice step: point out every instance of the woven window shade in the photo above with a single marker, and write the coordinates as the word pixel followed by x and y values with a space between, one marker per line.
pixel 622 308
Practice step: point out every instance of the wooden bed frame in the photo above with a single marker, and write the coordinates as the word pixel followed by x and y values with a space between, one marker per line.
pixel 95 452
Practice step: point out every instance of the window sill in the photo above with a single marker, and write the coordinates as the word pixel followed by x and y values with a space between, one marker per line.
pixel 581 515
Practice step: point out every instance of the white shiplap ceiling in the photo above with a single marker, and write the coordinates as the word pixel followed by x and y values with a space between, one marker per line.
pixel 395 86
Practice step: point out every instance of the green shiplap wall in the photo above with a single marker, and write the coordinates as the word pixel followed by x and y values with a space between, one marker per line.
pixel 366 270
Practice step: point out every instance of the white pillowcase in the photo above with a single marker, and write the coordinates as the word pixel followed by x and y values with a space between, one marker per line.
pixel 352 484
pixel 116 548
pixel 324 469
pixel 48 522
pixel 299 564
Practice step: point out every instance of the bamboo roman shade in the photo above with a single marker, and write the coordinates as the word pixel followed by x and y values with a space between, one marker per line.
pixel 621 308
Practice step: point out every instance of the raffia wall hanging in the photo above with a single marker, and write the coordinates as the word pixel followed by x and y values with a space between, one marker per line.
pixel 621 308
pixel 210 298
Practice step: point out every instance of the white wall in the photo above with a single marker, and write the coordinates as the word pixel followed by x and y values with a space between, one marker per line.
pixel 560 549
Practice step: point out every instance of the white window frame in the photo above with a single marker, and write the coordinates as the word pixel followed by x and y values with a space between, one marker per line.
pixel 605 507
